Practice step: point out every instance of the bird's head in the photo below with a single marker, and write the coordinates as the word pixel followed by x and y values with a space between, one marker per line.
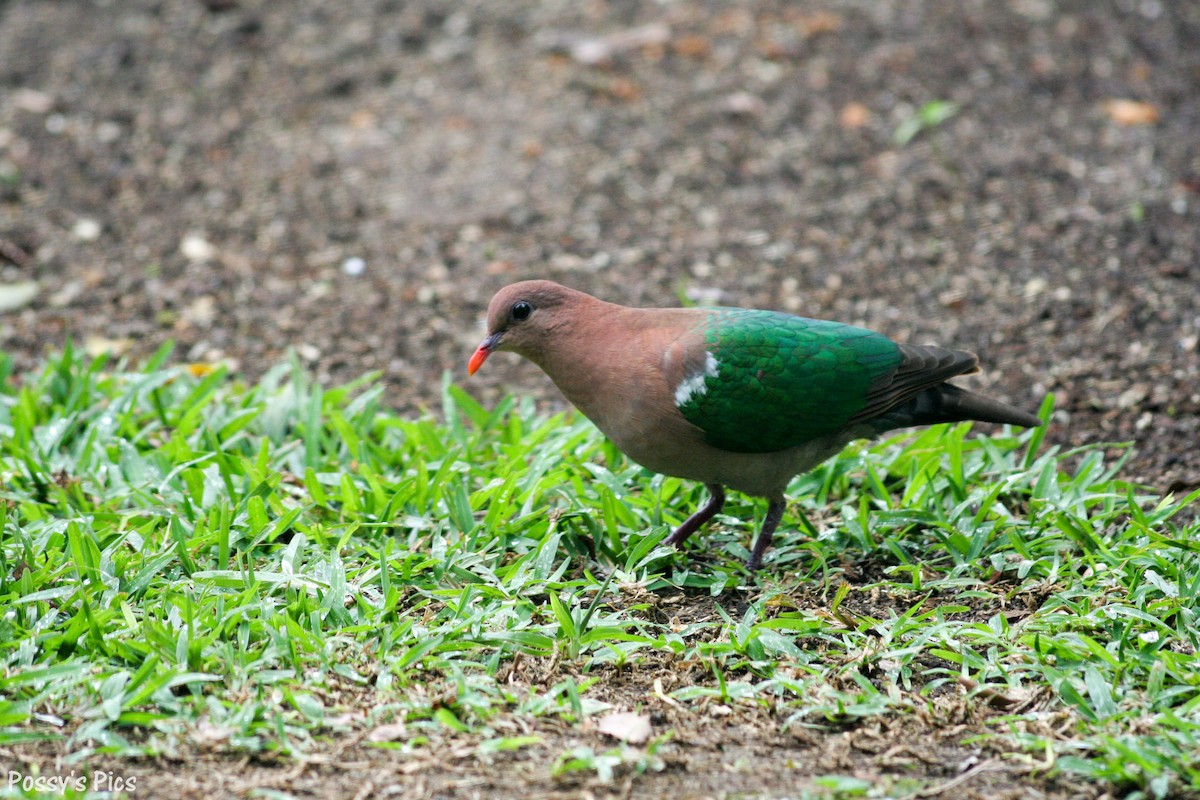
pixel 523 318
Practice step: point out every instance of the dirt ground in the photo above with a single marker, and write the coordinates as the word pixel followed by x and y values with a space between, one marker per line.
pixel 353 180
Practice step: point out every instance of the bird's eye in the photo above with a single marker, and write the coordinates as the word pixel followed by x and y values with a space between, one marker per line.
pixel 521 310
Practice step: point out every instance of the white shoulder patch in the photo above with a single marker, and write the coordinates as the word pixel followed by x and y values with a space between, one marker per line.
pixel 695 383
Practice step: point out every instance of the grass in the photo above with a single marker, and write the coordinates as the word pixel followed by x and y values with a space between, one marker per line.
pixel 188 562
pixel 927 117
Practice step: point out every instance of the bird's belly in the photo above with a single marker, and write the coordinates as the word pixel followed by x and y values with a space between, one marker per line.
pixel 665 442
pixel 759 474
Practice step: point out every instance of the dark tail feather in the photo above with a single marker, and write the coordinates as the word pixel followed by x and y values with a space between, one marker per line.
pixel 948 403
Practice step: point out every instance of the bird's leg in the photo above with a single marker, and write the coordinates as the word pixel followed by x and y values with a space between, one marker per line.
pixel 770 523
pixel 692 524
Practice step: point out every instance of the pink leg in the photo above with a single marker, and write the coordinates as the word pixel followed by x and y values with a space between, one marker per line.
pixel 692 524
pixel 770 523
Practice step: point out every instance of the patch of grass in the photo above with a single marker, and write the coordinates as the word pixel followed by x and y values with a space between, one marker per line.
pixel 925 118
pixel 188 562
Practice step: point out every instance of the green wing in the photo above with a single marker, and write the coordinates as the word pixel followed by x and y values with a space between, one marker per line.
pixel 768 381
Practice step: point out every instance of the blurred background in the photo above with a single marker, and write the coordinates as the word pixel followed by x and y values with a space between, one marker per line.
pixel 354 180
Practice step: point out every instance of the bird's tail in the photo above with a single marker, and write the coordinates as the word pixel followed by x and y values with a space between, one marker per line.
pixel 949 403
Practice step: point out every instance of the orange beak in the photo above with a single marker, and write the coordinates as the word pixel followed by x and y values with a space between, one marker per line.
pixel 482 352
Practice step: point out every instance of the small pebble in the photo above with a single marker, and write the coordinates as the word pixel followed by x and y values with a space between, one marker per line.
pixel 196 248
pixel 1034 287
pixel 107 132
pixel 745 104
pixel 86 230
pixel 67 294
pixel 1132 396
pixel 308 352
pixel 17 295
pixel 32 100
pixel 201 312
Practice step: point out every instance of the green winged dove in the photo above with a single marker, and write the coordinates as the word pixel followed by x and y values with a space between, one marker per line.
pixel 730 397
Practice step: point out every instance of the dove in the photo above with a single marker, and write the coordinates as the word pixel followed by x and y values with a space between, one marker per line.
pixel 733 398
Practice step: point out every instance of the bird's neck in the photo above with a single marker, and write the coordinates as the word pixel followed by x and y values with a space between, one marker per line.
pixel 591 352
pixel 610 362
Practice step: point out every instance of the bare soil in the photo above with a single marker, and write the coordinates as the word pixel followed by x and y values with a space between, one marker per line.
pixel 353 180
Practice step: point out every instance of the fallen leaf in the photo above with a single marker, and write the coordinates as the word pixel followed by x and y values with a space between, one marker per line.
pixel 343 720
pixel 624 89
pixel 200 369
pixel 854 116
pixel 595 50
pixel 387 733
pixel 819 23
pixel 50 719
pixel 692 46
pixel 993 697
pixel 626 726
pixel 733 21
pixel 1131 112
pixel 208 733
pixel 96 346
pixel 364 120
pixel 953 298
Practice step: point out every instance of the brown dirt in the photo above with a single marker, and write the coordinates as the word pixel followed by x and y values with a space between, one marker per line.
pixel 714 749
pixel 747 157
